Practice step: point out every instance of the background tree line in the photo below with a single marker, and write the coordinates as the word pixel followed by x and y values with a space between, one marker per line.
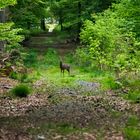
pixel 112 40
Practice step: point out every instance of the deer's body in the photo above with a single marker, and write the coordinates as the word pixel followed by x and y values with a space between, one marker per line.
pixel 64 67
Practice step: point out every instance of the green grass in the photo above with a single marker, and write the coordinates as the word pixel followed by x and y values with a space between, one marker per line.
pixel 109 82
pixel 134 96
pixel 46 66
pixel 61 128
pixel 21 91
pixel 133 84
pixel 133 121
pixel 132 131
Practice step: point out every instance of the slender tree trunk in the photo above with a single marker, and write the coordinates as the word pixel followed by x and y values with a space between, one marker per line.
pixel 61 21
pixel 28 25
pixel 2 20
pixel 2 15
pixel 43 24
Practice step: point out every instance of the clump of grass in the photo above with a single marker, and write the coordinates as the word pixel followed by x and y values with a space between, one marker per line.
pixel 133 96
pixel 131 131
pixel 109 82
pixel 21 91
pixel 133 121
pixel 13 75
pixel 132 84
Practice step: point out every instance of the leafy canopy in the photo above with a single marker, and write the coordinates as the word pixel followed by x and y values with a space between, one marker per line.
pixel 112 40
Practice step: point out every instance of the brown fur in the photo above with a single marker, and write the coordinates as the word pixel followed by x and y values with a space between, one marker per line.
pixel 64 67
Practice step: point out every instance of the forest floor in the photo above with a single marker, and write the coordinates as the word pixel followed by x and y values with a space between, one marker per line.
pixel 77 111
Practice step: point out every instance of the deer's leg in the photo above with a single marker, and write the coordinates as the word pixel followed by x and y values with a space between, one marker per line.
pixel 63 72
pixel 68 71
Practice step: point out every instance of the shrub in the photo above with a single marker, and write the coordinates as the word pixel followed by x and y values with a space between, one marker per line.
pixel 111 83
pixel 134 96
pixel 13 75
pixel 31 59
pixel 21 91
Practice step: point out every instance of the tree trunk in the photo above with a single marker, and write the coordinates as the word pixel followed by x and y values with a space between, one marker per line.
pixel 28 25
pixel 61 21
pixel 2 20
pixel 2 16
pixel 43 24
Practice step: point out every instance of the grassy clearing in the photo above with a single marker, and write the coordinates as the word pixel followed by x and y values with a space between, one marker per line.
pixel 46 66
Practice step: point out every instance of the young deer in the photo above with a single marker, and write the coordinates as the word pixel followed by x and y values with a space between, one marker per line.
pixel 64 67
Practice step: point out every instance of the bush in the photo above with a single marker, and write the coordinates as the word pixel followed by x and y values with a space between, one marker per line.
pixel 111 83
pixel 13 75
pixel 134 96
pixel 31 59
pixel 21 91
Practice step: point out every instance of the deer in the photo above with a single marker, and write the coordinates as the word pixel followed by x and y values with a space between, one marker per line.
pixel 64 67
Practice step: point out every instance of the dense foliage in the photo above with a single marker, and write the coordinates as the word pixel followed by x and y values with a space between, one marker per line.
pixel 112 41
pixel 71 14
pixel 8 33
pixel 29 14
pixel 6 3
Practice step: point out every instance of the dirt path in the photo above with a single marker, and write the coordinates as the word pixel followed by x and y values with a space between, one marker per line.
pixel 47 40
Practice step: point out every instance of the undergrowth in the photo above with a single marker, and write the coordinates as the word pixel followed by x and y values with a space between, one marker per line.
pixel 132 131
pixel 46 65
pixel 21 91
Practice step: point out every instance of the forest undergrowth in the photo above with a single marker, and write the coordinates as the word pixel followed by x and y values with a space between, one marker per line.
pixel 87 104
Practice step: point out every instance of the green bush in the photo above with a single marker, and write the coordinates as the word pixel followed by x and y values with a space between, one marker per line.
pixel 134 96
pixel 13 75
pixel 21 91
pixel 31 59
pixel 111 83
